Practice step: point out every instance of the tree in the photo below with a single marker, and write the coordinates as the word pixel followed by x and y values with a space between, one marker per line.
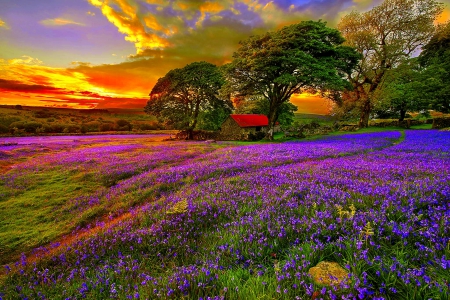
pixel 435 60
pixel 182 95
pixel 401 91
pixel 385 36
pixel 304 57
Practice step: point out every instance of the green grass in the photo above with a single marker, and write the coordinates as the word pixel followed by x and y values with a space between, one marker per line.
pixel 40 213
pixel 423 126
pixel 308 118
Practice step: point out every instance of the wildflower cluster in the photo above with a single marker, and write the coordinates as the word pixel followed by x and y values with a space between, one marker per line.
pixel 251 221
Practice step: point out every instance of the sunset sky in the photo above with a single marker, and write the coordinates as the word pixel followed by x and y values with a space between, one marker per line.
pixel 109 53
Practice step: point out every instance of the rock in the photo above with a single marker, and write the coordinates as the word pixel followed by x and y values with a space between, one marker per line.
pixel 328 273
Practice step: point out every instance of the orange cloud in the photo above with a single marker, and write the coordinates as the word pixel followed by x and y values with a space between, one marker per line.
pixel 26 81
pixel 25 60
pixel 3 24
pixel 128 22
pixel 59 22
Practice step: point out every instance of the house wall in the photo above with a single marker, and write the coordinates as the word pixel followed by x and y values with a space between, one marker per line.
pixel 230 131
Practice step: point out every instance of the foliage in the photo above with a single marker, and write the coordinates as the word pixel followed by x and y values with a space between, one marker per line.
pixel 386 35
pixel 212 119
pixel 31 120
pixel 302 57
pixel 435 59
pixel 123 125
pixel 401 91
pixel 3 129
pixel 183 94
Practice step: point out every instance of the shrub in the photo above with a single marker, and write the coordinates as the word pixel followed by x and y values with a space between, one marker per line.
pixel 92 126
pixel 71 128
pixel 42 114
pixel 107 127
pixel 3 129
pixel 31 127
pixel 7 120
pixel 54 128
pixel 149 126
pixel 123 125
pixel 18 125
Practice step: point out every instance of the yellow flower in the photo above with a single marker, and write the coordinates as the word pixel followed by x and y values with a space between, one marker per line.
pixel 178 208
pixel 367 230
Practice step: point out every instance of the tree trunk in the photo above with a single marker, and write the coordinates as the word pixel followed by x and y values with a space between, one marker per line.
pixel 190 134
pixel 190 130
pixel 402 115
pixel 365 114
pixel 272 119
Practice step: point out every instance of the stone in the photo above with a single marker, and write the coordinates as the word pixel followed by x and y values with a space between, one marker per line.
pixel 328 273
pixel 441 122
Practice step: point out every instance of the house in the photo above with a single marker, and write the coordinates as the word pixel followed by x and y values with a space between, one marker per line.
pixel 244 127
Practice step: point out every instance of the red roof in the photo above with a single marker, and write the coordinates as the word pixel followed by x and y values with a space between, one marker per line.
pixel 251 120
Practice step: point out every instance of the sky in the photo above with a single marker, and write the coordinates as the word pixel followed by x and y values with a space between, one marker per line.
pixel 110 53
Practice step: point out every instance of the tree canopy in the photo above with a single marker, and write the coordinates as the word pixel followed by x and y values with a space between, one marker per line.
pixel 435 60
pixel 386 36
pixel 401 91
pixel 183 95
pixel 308 56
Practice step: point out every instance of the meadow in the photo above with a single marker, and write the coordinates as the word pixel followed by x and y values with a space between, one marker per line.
pixel 135 217
pixel 29 120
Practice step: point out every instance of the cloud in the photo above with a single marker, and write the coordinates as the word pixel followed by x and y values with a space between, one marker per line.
pixel 25 81
pixel 90 13
pixel 16 86
pixel 162 25
pixel 25 60
pixel 3 24
pixel 59 22
pixel 129 22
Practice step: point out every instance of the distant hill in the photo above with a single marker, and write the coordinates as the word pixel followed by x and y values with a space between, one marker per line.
pixel 25 120
pixel 57 109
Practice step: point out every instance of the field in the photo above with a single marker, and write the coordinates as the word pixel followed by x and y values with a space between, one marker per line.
pixel 135 217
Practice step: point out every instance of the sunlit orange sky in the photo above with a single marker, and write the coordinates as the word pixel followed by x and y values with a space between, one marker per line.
pixel 110 53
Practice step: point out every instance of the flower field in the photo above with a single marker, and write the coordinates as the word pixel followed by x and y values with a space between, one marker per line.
pixel 132 217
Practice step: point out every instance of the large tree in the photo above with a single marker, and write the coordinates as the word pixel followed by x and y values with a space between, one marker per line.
pixel 401 91
pixel 304 57
pixel 183 95
pixel 435 61
pixel 386 35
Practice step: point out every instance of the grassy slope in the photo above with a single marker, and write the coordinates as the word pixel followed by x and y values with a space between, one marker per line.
pixel 40 208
